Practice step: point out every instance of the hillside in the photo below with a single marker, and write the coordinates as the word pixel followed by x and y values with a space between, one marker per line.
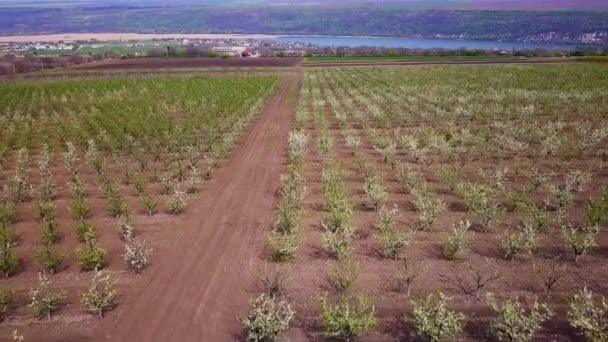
pixel 407 19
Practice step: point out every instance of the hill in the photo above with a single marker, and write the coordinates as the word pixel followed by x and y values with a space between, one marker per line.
pixel 445 19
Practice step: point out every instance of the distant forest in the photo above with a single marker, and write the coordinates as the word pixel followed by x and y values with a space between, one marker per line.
pixel 577 27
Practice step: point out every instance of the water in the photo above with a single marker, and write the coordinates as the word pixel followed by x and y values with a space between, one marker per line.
pixel 414 43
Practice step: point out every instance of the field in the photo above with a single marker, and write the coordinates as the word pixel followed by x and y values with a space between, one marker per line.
pixel 387 193
pixel 89 167
pixel 398 158
pixel 394 58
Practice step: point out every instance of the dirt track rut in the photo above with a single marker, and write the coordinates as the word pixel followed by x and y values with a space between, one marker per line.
pixel 198 290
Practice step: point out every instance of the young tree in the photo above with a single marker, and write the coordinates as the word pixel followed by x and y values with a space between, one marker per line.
pixel 345 274
pixel 48 258
pixel 407 274
pixel 589 317
pixel 126 230
pixel 514 323
pixel 8 259
pixel 457 240
pixel 434 321
pixel 151 204
pixel 338 243
pixel 7 303
pixel 44 302
pixel 428 207
pixel 268 317
pixel 92 256
pixel 375 191
pixel 177 202
pixel 580 240
pixel 348 318
pixel 550 274
pixel 137 255
pixel 282 247
pixel 100 296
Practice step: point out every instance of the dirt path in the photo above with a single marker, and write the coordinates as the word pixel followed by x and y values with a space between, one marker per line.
pixel 200 287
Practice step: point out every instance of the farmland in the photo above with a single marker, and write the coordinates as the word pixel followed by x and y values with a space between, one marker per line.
pixel 396 195
pixel 455 180
pixel 93 171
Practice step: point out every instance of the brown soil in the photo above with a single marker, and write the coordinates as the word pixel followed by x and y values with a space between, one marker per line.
pixel 157 63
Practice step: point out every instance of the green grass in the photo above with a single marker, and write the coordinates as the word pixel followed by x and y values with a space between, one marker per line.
pixel 391 58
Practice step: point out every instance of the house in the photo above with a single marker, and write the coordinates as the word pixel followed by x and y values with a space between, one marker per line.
pixel 231 51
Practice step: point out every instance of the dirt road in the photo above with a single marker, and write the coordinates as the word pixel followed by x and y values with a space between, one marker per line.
pixel 200 287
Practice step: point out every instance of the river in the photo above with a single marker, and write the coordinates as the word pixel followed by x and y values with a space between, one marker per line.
pixel 415 43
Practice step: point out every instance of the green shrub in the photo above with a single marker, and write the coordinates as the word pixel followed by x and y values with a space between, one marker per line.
pixel 457 240
pixel 338 243
pixel 514 323
pixel 596 211
pixel 434 321
pixel 85 231
pixel 375 191
pixel 8 213
pixel 288 217
pixel 116 203
pixel 516 199
pixel 394 241
pixel 348 318
pixel 283 246
pixel 44 302
pixel 480 200
pixel 344 275
pixel 7 303
pixel 100 296
pixel 49 232
pixel 8 259
pixel 340 213
pixel 91 256
pixel 79 208
pixel 450 177
pixel 139 183
pixel 7 233
pixel 48 258
pixel 150 204
pixel 268 317
pixel 589 317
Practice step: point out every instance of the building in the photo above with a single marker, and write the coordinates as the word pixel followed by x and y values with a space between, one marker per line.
pixel 231 51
